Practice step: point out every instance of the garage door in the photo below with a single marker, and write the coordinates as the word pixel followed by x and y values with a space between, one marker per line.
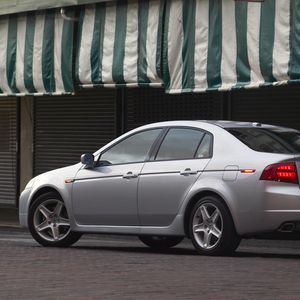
pixel 65 127
pixel 8 150
pixel 273 105
pixel 146 105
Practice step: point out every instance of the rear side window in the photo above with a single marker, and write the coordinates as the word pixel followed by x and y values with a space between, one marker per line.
pixel 182 143
pixel 205 148
pixel 271 140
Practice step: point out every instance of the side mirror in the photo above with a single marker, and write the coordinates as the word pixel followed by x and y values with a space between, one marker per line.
pixel 88 160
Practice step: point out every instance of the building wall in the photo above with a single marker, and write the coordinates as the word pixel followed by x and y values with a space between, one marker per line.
pixel 83 123
pixel 26 140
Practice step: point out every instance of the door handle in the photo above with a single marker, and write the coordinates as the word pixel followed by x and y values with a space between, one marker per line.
pixel 187 172
pixel 130 175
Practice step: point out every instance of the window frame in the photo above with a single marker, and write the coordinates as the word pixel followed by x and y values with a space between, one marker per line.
pixel 159 143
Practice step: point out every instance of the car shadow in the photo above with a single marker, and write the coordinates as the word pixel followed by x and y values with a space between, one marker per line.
pixel 188 252
pixel 256 254
pixel 126 249
pixel 271 253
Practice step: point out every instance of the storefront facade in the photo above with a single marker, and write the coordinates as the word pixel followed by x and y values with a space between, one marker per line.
pixel 70 86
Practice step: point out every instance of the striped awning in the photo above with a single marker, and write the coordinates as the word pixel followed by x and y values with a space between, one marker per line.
pixel 120 43
pixel 227 44
pixel 18 6
pixel 36 54
pixel 184 45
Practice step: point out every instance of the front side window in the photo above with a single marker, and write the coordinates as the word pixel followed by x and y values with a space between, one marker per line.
pixel 133 149
pixel 182 143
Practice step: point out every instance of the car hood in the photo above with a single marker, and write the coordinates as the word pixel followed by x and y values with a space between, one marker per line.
pixel 57 176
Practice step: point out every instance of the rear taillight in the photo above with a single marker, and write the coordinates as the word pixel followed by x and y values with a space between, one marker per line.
pixel 284 172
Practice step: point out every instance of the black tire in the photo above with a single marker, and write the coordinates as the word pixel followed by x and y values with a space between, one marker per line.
pixel 216 235
pixel 160 242
pixel 64 236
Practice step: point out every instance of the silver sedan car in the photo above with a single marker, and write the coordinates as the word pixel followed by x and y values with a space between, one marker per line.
pixel 214 182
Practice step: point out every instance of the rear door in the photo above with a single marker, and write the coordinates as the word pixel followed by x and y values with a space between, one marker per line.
pixel 167 178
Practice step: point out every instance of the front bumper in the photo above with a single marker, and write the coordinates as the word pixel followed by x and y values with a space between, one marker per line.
pixel 23 208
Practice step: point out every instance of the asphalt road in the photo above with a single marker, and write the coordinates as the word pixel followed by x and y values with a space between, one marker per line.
pixel 102 267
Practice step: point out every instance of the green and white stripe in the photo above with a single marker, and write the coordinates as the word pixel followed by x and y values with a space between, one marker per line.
pixel 201 45
pixel 253 42
pixel 281 52
pixel 120 44
pixel 36 54
pixel 4 85
pixel 229 46
pixel 221 45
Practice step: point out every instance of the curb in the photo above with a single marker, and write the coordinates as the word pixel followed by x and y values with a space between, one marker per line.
pixel 10 225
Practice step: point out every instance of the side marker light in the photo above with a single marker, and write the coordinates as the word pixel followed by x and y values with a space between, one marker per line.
pixel 248 171
pixel 69 180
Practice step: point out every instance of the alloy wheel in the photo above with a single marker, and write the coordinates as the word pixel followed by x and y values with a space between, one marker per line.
pixel 207 226
pixel 51 221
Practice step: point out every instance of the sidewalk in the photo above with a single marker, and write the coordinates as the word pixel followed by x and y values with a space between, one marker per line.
pixel 9 216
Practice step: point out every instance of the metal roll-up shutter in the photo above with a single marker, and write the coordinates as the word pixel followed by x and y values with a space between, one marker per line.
pixel 148 105
pixel 8 150
pixel 271 105
pixel 65 127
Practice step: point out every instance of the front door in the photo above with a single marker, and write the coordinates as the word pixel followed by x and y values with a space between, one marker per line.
pixel 107 194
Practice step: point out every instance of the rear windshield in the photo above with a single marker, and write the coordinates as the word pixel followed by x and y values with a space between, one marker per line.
pixel 271 140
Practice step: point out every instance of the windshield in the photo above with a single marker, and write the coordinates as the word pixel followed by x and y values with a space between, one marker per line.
pixel 271 140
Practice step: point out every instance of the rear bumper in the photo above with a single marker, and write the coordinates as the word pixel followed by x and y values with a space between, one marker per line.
pixel 278 204
pixel 281 204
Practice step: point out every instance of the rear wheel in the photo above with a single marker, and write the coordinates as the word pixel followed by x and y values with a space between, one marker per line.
pixel 49 223
pixel 160 242
pixel 211 227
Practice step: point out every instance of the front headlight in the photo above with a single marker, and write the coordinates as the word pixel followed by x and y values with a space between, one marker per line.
pixel 29 184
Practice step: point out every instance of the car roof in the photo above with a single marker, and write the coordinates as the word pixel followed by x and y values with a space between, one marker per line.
pixel 236 124
pixel 219 123
pixel 210 125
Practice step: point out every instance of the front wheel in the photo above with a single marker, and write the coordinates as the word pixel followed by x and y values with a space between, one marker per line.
pixel 49 223
pixel 211 227
pixel 160 242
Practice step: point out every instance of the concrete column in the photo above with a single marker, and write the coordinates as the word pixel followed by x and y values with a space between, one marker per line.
pixel 26 141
